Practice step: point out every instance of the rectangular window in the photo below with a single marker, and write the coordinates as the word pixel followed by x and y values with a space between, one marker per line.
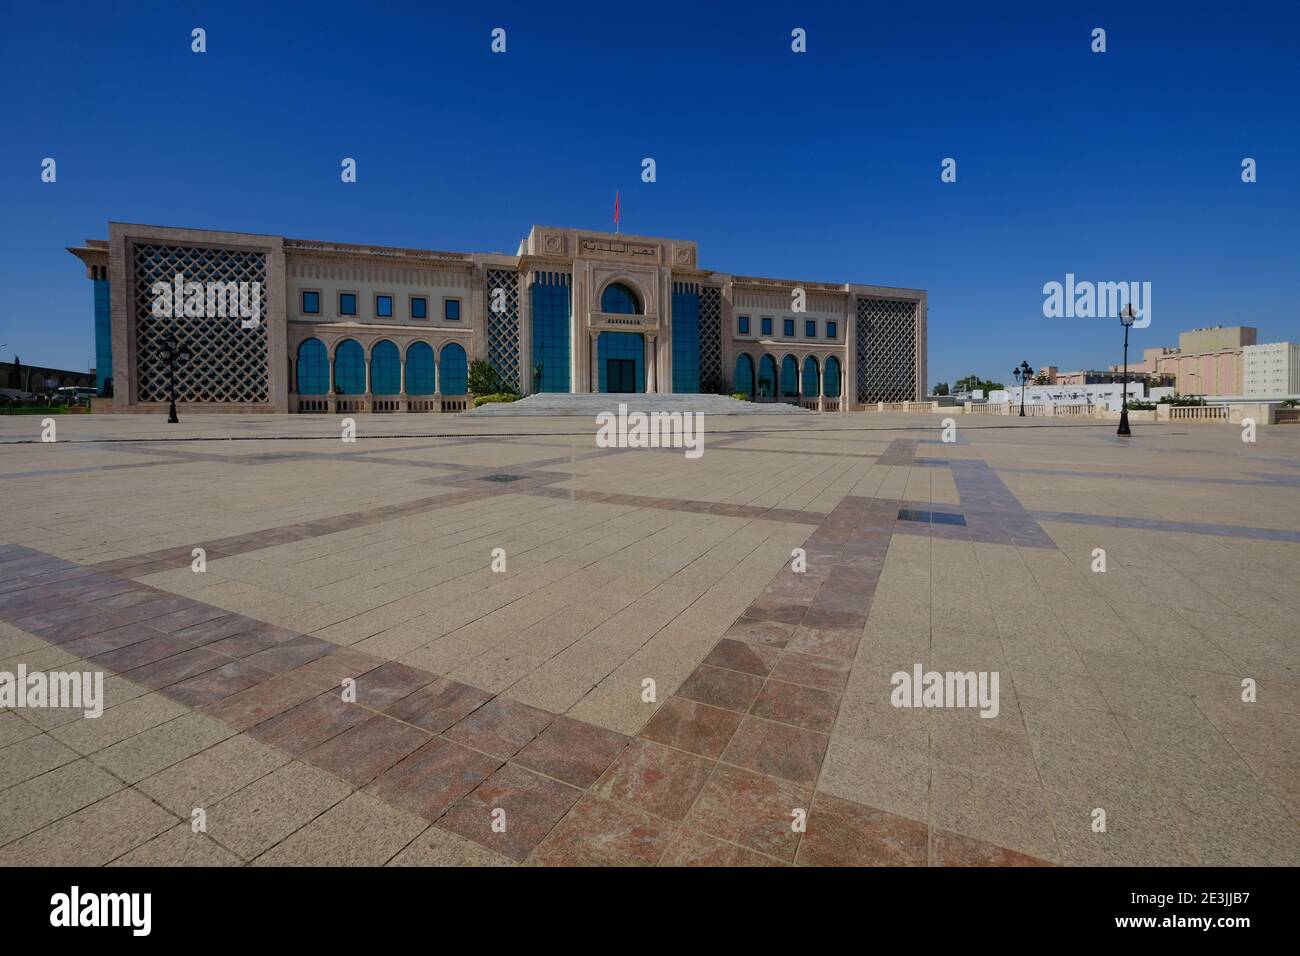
pixel 831 329
pixel 347 303
pixel 383 306
pixel 451 310
pixel 767 325
pixel 419 307
pixel 310 303
pixel 787 328
pixel 743 325
pixel 810 328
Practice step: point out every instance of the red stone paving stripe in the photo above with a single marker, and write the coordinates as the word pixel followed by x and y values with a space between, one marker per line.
pixel 760 702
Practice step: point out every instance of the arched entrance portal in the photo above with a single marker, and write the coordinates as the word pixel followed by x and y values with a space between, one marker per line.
pixel 620 360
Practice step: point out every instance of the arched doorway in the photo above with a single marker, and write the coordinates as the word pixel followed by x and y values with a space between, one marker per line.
pixel 789 377
pixel 831 378
pixel 810 376
pixel 620 361
pixel 742 379
pixel 313 372
pixel 767 377
pixel 349 368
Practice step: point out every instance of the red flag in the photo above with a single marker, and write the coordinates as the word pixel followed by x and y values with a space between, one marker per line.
pixel 616 210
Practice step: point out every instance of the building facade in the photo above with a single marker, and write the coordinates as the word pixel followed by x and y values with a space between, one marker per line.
pixel 1271 370
pixel 283 325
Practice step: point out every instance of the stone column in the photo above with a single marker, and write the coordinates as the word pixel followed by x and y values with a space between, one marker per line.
pixel 821 386
pixel 650 364
pixel 367 400
pixel 330 402
pixel 595 363
pixel 401 388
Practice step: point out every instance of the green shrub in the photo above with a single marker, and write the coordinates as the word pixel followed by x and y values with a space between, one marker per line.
pixel 1138 406
pixel 740 396
pixel 494 398
pixel 483 379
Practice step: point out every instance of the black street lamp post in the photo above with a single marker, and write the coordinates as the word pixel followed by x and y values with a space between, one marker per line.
pixel 1126 319
pixel 1023 375
pixel 171 353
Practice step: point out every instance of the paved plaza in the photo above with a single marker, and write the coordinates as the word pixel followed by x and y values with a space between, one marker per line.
pixel 484 640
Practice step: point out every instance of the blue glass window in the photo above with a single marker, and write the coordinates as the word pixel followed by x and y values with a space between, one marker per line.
pixel 831 329
pixel 313 368
pixel 419 307
pixel 742 325
pixel 551 347
pixel 385 369
pixel 620 345
pixel 742 380
pixel 686 337
pixel 419 370
pixel 311 303
pixel 620 299
pixel 767 325
pixel 455 370
pixel 810 328
pixel 810 377
pixel 789 377
pixel 767 376
pixel 384 306
pixel 832 376
pixel 347 303
pixel 349 368
pixel 787 327
pixel 451 309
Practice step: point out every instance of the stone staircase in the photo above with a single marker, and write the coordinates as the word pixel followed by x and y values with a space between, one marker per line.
pixel 589 405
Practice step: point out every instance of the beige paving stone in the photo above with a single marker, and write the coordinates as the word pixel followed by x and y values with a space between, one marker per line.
pixel 257 817
pixel 359 831
pixel 179 846
pixel 215 773
pixel 93 836
pixel 31 757
pixel 34 803
pixel 160 747
pixel 89 735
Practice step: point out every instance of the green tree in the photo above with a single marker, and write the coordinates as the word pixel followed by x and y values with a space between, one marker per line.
pixel 483 378
pixel 941 388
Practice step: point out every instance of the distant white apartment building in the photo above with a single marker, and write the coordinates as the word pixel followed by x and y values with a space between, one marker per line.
pixel 1271 370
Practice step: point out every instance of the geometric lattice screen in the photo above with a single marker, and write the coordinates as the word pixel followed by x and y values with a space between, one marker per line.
pixel 710 340
pixel 228 362
pixel 886 331
pixel 503 326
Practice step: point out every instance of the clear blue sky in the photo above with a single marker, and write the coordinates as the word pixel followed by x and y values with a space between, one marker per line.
pixel 821 166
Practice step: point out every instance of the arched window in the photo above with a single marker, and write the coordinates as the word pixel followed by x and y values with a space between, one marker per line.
pixel 620 299
pixel 743 378
pixel 385 369
pixel 419 370
pixel 810 377
pixel 767 376
pixel 350 368
pixel 789 377
pixel 832 376
pixel 455 370
pixel 313 368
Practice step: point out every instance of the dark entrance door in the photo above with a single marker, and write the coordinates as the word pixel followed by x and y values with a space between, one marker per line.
pixel 620 375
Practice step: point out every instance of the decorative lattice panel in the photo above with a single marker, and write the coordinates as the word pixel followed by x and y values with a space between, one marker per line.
pixel 710 340
pixel 886 331
pixel 228 362
pixel 503 326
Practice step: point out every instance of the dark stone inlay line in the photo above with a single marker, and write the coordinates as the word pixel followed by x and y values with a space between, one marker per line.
pixel 1157 524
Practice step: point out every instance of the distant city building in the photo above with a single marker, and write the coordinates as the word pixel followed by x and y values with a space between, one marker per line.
pixel 1271 370
pixel 39 379
pixel 1107 394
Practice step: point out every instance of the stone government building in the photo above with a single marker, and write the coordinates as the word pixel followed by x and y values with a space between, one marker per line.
pixel 351 328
